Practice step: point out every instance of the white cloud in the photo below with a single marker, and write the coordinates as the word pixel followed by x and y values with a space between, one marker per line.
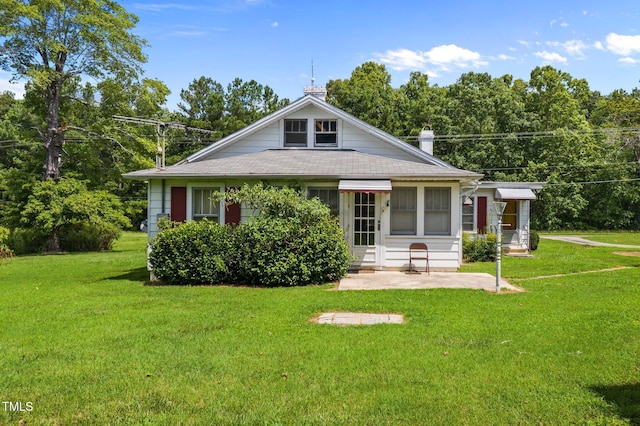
pixel 194 33
pixel 551 57
pixel 402 59
pixel 623 44
pixel 559 21
pixel 575 47
pixel 275 24
pixel 503 57
pixel 572 47
pixel 17 88
pixel 159 7
pixel 443 58
pixel 598 45
pixel 450 54
pixel 628 61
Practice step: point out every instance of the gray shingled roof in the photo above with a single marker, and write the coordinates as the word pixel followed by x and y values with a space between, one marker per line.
pixel 307 163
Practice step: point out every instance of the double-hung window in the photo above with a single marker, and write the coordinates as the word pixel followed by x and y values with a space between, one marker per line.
pixel 295 133
pixel 326 132
pixel 204 206
pixel 437 211
pixel 403 211
pixel 329 196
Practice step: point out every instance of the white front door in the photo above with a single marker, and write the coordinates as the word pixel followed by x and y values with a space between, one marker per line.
pixel 364 228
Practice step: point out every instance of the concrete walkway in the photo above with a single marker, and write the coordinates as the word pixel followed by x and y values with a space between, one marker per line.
pixel 380 280
pixel 579 240
pixel 353 318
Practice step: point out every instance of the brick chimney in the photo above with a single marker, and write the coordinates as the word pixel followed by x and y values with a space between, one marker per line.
pixel 426 140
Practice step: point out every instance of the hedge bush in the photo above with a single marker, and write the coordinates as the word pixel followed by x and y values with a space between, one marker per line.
pixel 534 240
pixel 89 237
pixel 479 248
pixel 192 253
pixel 293 241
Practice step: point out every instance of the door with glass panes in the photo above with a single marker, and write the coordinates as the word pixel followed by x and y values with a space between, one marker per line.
pixel 364 232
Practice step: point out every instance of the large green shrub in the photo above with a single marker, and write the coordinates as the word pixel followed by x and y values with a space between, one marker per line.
pixel 26 241
pixel 60 214
pixel 479 248
pixel 292 241
pixel 192 253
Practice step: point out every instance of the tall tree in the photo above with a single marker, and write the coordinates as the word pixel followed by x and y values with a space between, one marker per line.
pixel 52 42
pixel 203 104
pixel 368 95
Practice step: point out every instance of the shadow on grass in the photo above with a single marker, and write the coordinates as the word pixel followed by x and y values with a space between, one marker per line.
pixel 138 275
pixel 625 398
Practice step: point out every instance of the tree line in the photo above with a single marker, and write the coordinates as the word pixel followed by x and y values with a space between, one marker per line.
pixel 551 127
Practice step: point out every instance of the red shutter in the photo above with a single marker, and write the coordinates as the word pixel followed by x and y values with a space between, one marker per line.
pixel 179 203
pixel 482 214
pixel 232 214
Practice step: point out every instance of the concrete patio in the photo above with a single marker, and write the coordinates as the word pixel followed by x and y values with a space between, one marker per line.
pixel 382 280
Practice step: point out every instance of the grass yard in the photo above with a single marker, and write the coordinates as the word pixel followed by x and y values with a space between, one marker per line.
pixel 83 340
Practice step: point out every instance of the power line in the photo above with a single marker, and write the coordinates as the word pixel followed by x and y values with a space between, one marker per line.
pixel 524 135
pixel 594 182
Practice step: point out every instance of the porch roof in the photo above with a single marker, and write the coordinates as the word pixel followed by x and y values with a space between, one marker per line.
pixel 307 163
pixel 515 194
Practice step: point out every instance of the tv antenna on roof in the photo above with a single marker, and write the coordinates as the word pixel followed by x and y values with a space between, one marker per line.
pixel 161 132
pixel 317 91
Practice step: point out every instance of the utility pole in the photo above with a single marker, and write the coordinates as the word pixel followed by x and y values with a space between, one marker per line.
pixel 162 127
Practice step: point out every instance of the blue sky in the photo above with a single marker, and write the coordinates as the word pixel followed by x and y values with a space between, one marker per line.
pixel 275 41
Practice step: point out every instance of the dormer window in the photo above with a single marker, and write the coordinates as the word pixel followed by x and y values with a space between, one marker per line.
pixel 295 133
pixel 326 133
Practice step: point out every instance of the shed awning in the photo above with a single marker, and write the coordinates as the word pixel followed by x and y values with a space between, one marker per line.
pixel 370 186
pixel 515 194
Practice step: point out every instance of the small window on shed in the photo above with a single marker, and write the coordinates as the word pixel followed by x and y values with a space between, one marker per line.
pixel 204 205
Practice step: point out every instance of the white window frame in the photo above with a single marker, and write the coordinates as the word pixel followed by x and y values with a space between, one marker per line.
pixel 436 210
pixel 472 215
pixel 212 186
pixel 323 132
pixel 393 207
pixel 306 133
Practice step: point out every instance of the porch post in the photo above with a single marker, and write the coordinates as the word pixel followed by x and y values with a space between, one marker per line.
pixel 499 208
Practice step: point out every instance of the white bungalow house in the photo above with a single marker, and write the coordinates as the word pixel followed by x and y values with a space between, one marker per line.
pixel 386 193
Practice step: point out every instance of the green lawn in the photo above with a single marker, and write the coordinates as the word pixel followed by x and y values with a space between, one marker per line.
pixel 86 342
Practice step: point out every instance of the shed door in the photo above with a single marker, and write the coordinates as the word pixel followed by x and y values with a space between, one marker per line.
pixel 482 214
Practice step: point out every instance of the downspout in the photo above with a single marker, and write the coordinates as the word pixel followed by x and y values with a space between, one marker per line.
pixel 163 197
